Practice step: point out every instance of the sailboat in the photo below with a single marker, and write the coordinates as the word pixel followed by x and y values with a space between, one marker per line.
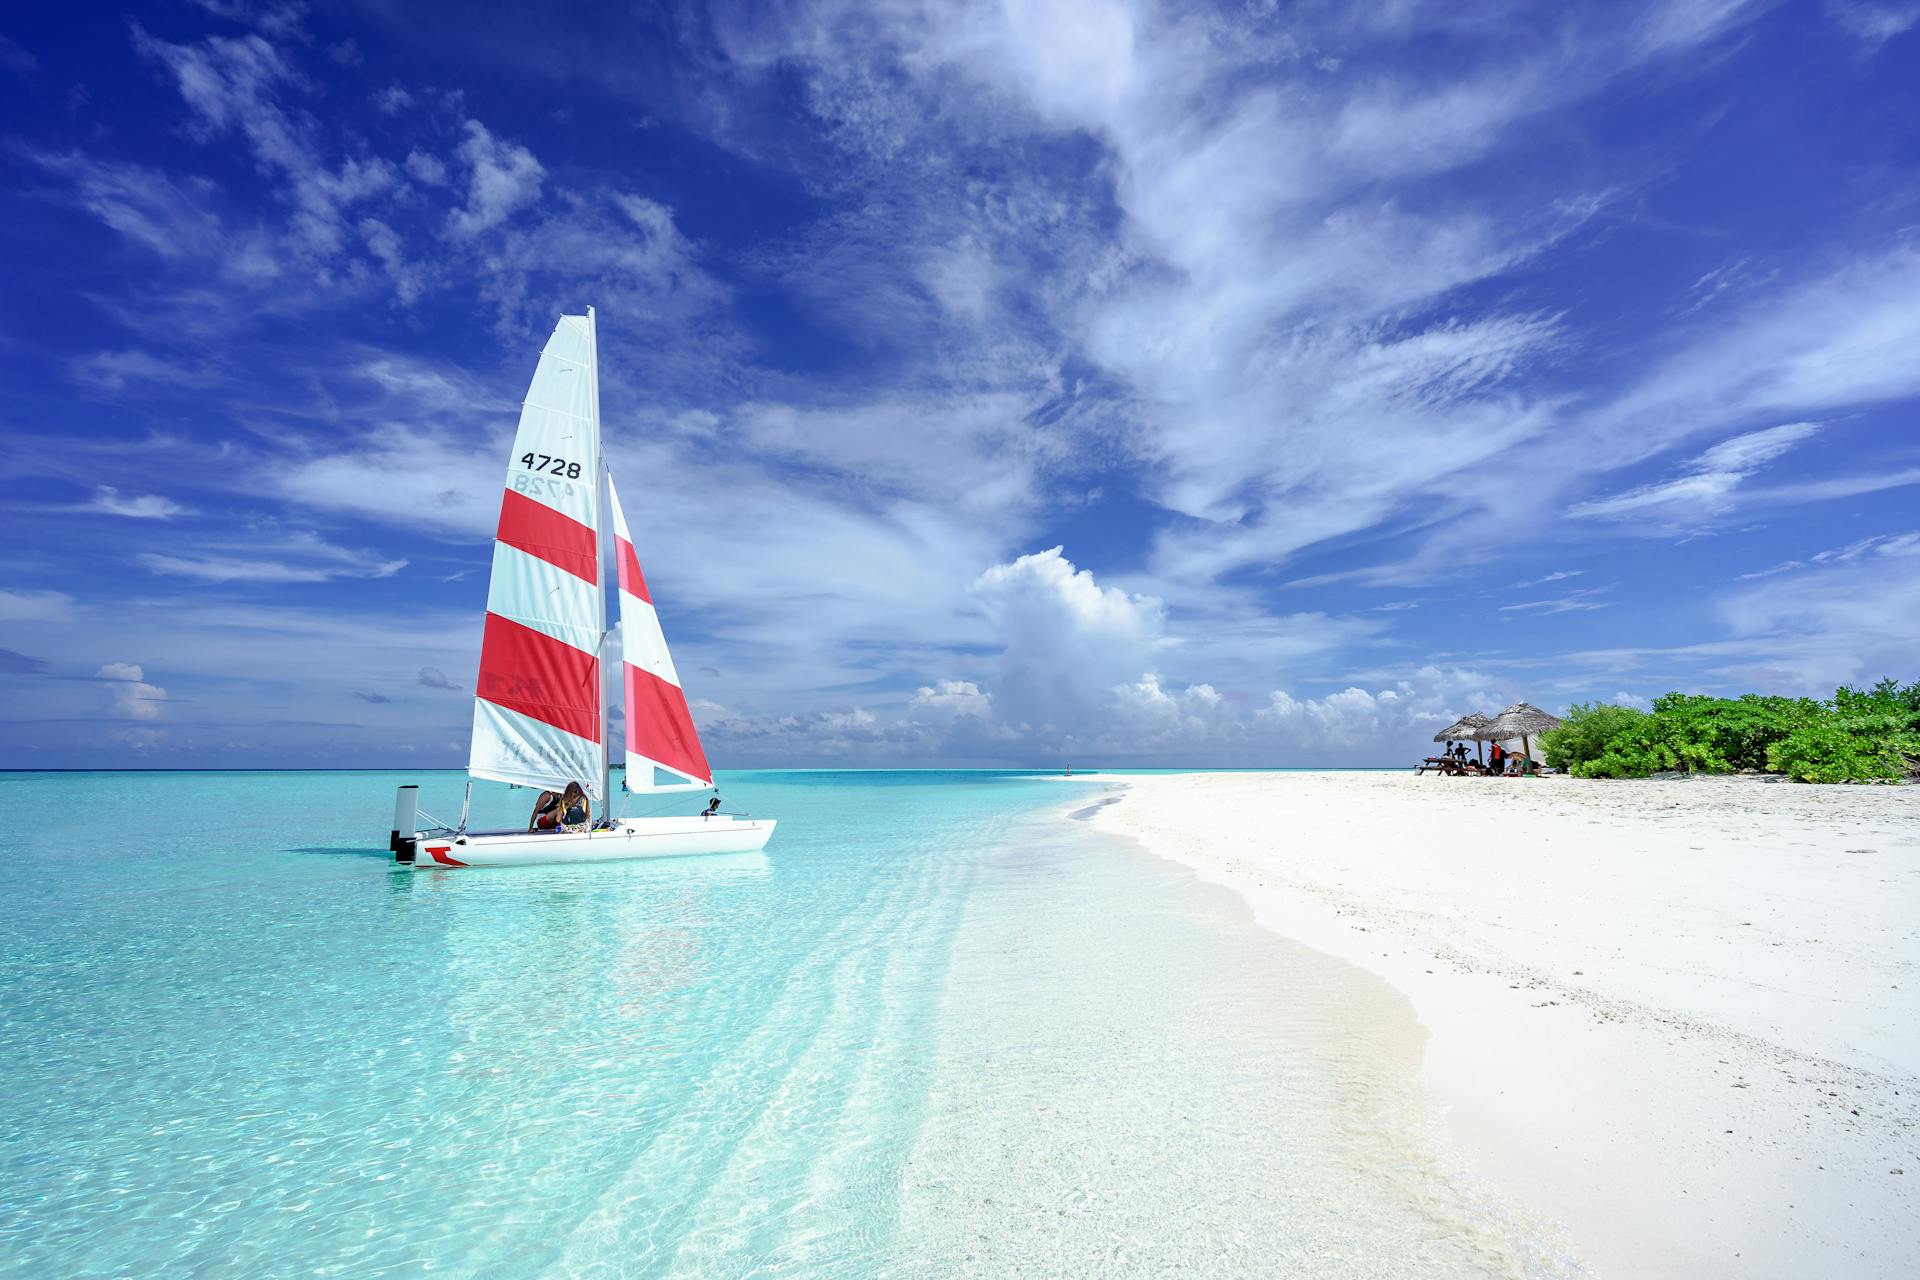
pixel 540 706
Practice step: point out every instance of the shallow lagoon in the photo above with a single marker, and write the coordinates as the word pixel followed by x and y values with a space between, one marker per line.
pixel 938 1028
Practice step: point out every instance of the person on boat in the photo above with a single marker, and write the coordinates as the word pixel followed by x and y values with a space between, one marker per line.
pixel 546 812
pixel 713 808
pixel 576 811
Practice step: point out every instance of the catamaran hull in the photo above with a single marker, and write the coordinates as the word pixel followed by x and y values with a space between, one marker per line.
pixel 631 838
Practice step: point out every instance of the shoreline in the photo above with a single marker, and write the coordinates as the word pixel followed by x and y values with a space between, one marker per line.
pixel 1680 1020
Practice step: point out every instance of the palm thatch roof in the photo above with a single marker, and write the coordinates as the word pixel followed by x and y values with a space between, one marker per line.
pixel 1521 720
pixel 1467 727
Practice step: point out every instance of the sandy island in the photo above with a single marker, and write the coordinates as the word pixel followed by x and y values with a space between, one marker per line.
pixel 1681 1018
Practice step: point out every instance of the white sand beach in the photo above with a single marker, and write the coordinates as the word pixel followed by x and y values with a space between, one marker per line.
pixel 1681 1019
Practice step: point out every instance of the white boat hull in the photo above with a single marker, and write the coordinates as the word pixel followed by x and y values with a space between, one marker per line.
pixel 627 838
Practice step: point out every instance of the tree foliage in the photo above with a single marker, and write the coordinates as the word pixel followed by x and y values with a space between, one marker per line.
pixel 1856 736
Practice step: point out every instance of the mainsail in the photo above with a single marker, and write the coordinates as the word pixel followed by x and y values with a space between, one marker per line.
pixel 538 716
pixel 660 732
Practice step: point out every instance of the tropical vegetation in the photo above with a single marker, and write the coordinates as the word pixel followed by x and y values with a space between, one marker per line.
pixel 1858 735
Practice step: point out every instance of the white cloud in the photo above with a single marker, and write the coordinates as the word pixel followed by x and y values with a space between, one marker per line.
pixel 1884 544
pixel 1838 339
pixel 236 84
pixel 384 243
pixel 1065 641
pixel 34 606
pixel 282 558
pixel 275 17
pixel 1356 723
pixel 1849 616
pixel 1832 487
pixel 1874 22
pixel 116 370
pixel 1710 486
pixel 163 215
pixel 415 479
pixel 128 694
pixel 1785 566
pixel 1256 352
pixel 426 169
pixel 109 501
pixel 1572 602
pixel 949 699
pixel 642 268
pixel 502 178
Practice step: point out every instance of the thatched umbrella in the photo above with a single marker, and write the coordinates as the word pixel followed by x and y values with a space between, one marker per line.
pixel 1468 727
pixel 1521 720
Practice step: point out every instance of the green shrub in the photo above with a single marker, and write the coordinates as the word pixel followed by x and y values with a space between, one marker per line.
pixel 1587 732
pixel 1858 736
pixel 1832 752
pixel 1867 734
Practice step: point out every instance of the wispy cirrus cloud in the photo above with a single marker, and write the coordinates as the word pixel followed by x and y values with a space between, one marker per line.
pixel 109 501
pixel 1874 22
pixel 276 558
pixel 1558 575
pixel 1573 602
pixel 1709 485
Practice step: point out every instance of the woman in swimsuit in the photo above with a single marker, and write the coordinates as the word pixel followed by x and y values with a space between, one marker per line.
pixel 576 812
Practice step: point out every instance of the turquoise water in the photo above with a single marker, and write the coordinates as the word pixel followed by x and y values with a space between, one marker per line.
pixel 939 1028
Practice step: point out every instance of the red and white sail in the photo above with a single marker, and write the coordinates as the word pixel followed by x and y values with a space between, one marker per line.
pixel 660 731
pixel 538 717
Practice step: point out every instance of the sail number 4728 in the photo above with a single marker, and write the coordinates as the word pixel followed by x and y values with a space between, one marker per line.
pixel 550 465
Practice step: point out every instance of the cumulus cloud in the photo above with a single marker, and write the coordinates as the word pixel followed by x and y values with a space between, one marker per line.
pixel 434 678
pixel 129 695
pixel 950 699
pixel 1065 641
pixel 1358 720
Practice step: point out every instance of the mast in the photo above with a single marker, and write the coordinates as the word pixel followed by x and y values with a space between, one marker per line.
pixel 602 564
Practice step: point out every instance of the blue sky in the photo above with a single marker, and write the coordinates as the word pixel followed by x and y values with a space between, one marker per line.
pixel 1255 385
